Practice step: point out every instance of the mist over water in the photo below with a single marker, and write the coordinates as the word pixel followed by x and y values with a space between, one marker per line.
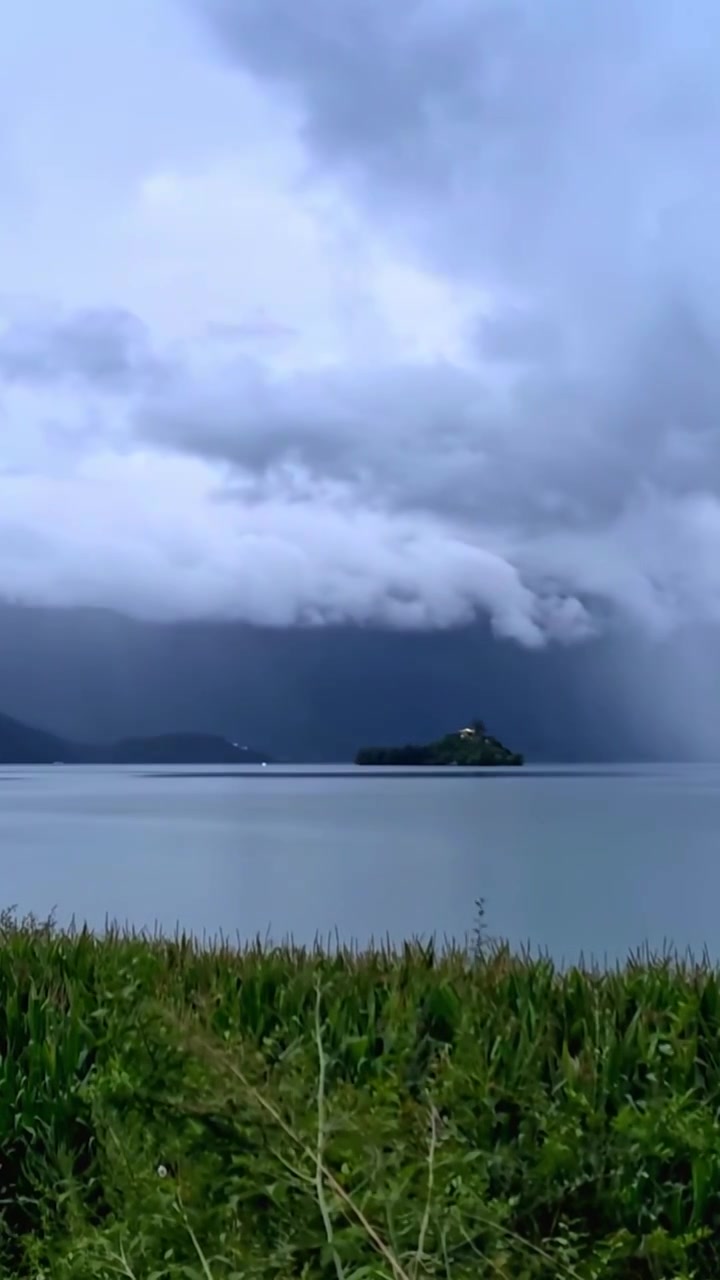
pixel 320 693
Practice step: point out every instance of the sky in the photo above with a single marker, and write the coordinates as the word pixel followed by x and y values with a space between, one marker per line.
pixel 348 311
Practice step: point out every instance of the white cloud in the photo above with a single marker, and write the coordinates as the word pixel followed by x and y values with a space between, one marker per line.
pixel 400 328
pixel 116 528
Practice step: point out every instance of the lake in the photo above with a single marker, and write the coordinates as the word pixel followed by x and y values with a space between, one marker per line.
pixel 598 860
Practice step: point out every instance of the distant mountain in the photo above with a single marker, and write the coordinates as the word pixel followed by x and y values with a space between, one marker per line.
pixel 22 744
pixel 181 748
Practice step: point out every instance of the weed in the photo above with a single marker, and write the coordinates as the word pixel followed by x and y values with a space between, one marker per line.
pixel 172 1110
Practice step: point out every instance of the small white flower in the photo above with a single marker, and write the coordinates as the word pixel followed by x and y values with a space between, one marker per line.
pixel 162 1171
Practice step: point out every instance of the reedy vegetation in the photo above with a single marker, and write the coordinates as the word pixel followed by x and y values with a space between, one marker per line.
pixel 170 1110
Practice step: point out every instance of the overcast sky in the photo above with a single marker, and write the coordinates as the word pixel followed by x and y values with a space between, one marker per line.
pixel 349 309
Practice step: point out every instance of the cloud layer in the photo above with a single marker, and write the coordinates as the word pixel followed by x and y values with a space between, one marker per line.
pixel 431 334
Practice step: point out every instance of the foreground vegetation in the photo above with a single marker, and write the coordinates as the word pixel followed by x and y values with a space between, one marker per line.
pixel 168 1111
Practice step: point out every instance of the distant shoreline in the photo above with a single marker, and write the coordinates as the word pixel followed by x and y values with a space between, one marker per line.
pixel 244 773
pixel 392 773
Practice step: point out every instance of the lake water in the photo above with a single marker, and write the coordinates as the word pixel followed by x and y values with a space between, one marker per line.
pixel 593 860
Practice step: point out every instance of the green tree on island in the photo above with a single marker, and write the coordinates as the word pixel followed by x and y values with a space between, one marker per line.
pixel 471 746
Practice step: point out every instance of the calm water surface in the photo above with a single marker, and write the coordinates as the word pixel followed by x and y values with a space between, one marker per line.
pixel 593 860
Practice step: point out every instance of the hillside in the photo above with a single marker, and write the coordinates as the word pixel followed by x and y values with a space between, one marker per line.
pixel 23 744
pixel 472 746
pixel 182 748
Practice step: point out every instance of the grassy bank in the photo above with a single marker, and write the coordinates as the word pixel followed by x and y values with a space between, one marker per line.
pixel 168 1111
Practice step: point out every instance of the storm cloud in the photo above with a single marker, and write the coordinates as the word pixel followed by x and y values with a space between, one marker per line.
pixel 414 320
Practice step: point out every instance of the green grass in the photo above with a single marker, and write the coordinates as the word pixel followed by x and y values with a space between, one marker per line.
pixel 169 1111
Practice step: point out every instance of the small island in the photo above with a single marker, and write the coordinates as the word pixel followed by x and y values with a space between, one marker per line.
pixel 472 747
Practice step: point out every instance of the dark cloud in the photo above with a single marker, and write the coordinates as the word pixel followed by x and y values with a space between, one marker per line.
pixel 561 158
pixel 105 349
pixel 317 693
pixel 501 133
pixel 553 446
pixel 556 165
pixel 516 336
